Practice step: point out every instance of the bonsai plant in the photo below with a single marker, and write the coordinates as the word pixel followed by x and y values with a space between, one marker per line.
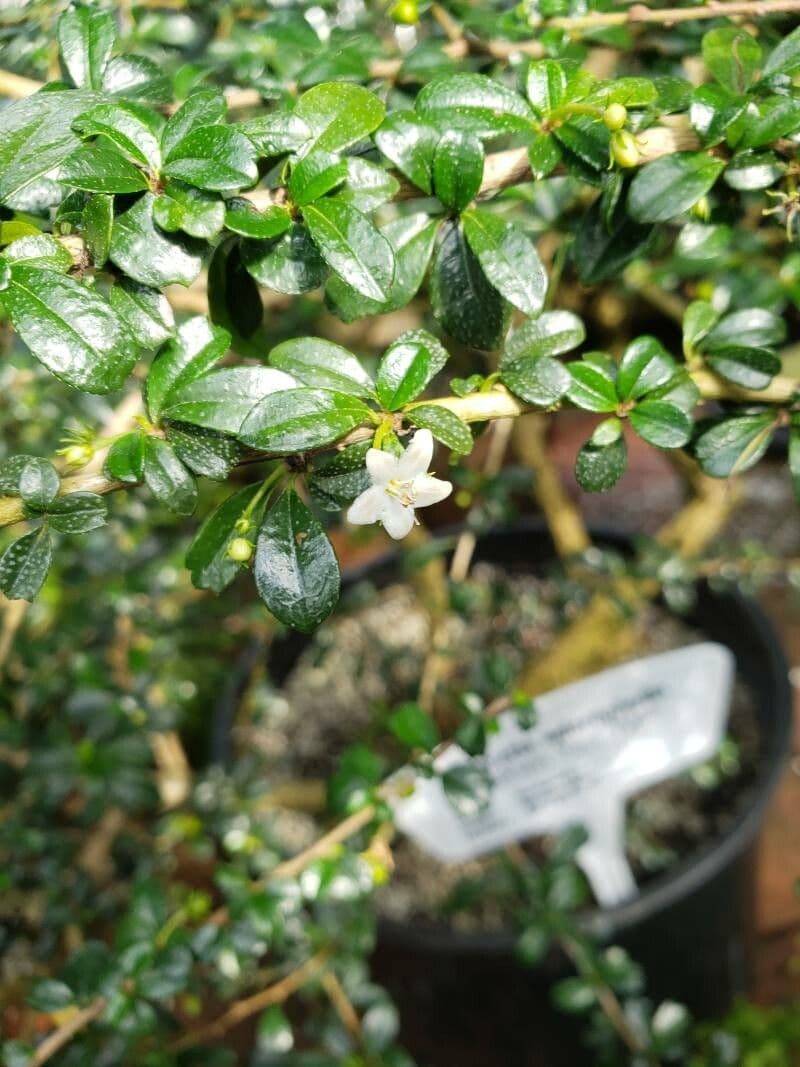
pixel 332 266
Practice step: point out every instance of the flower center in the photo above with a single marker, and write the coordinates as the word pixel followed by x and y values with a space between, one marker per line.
pixel 402 490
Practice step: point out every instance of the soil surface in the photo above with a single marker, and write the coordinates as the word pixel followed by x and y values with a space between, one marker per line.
pixel 367 661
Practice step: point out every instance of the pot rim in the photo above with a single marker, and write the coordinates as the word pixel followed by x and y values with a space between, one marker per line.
pixel 694 870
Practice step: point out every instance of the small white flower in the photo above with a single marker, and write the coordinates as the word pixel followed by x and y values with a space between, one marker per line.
pixel 399 485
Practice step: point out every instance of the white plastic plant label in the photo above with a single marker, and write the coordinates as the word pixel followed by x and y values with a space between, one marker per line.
pixel 595 743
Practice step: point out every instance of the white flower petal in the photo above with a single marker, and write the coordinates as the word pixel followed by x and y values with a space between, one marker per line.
pixel 382 466
pixel 429 490
pixel 396 518
pixel 417 457
pixel 367 506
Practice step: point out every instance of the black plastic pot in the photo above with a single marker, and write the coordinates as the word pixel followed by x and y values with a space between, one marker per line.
pixel 464 1000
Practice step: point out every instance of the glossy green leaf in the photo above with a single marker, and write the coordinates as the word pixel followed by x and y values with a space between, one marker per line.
pixel 661 424
pixel 714 110
pixel 167 478
pixel 182 207
pixel 217 158
pixel 474 104
pixel 137 78
pixel 734 445
pixel 243 218
pixel 298 420
pixel 39 250
pixel 11 470
pixel 699 318
pixel 671 185
pixel 203 451
pixel 24 565
pixel 367 185
pixel 133 129
pixel 457 169
pixel 412 239
pixel 604 246
pixel 407 367
pixel 149 255
pixel 776 117
pixel 587 145
pixel 414 727
pixel 785 57
pixel 315 175
pixel 338 115
pixel 205 107
pixel 409 142
pixel 100 168
pixel 464 302
pixel 85 38
pixel 207 557
pixel 296 571
pixel 445 426
pixel 322 365
pixel 749 171
pixel 751 327
pixel 508 258
pixel 539 380
pixel 77 513
pixel 98 222
pixel 221 399
pixel 732 55
pixel 38 483
pixel 277 134
pixel 338 477
pixel 751 368
pixel 234 300
pixel 125 458
pixel 468 788
pixel 599 466
pixel 352 247
pixel 146 312
pixel 192 353
pixel 69 328
pixel 645 365
pixel 290 264
pixel 592 387
pixel 546 85
pixel 36 135
pixel 552 334
pixel 49 995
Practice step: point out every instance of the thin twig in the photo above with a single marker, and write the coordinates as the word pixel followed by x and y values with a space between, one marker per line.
pixel 65 1033
pixel 243 1009
pixel 342 1005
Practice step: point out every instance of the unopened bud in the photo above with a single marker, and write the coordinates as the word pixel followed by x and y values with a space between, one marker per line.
pixel 240 550
pixel 615 116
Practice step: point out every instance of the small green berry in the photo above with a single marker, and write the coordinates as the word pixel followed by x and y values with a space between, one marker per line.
pixel 240 550
pixel 623 149
pixel 405 12
pixel 615 116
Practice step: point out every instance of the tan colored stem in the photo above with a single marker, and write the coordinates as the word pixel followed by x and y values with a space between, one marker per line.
pixel 342 1005
pixel 609 1004
pixel 669 16
pixel 564 520
pixel 322 847
pixel 65 1033
pixel 494 404
pixel 243 1009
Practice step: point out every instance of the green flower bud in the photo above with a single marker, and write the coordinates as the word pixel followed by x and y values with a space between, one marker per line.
pixel 615 116
pixel 623 149
pixel 405 12
pixel 240 550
